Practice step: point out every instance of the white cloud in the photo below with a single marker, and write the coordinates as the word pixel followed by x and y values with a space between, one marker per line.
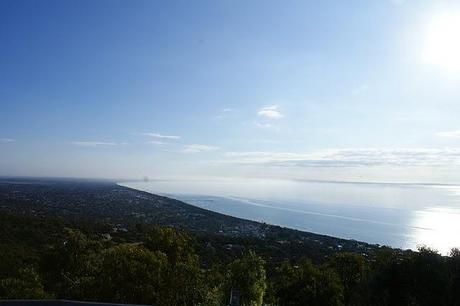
pixel 271 112
pixel 159 143
pixel 197 148
pixel 6 140
pixel 93 144
pixel 161 136
pixel 263 125
pixel 224 113
pixel 449 134
pixel 352 157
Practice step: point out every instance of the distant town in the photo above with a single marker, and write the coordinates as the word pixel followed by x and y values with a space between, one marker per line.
pixel 122 208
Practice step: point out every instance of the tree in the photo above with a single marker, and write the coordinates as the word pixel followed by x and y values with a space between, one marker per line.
pixel 413 278
pixel 25 285
pixel 305 284
pixel 71 266
pixel 184 279
pixel 427 276
pixel 213 287
pixel 247 277
pixel 454 269
pixel 173 243
pixel 352 270
pixel 132 274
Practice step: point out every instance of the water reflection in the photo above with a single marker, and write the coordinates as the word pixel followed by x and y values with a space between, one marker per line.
pixel 438 228
pixel 399 215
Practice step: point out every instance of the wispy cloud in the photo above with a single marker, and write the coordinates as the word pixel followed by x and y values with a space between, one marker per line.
pixel 155 142
pixel 352 157
pixel 449 134
pixel 161 136
pixel 262 124
pixel 7 140
pixel 198 148
pixel 94 144
pixel 224 113
pixel 271 112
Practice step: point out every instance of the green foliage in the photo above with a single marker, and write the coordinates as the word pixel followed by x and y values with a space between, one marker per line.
pixel 416 278
pixel 454 269
pixel 214 281
pixel 47 258
pixel 70 267
pixel 352 270
pixel 305 284
pixel 183 279
pixel 175 244
pixel 131 274
pixel 247 277
pixel 25 285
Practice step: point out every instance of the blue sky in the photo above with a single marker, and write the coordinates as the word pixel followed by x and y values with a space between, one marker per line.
pixel 336 90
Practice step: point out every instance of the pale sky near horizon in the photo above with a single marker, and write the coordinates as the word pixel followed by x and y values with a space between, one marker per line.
pixel 330 90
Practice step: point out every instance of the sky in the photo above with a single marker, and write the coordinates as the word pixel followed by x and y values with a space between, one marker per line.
pixel 315 90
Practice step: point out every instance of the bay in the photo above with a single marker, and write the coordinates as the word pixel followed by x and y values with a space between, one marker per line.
pixel 398 215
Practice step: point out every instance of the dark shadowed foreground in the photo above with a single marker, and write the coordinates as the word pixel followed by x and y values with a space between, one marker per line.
pixel 95 241
pixel 56 303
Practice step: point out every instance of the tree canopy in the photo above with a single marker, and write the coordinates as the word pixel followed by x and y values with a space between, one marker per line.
pixel 160 265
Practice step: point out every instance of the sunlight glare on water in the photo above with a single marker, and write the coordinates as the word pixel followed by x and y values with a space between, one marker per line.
pixel 437 228
pixel 398 215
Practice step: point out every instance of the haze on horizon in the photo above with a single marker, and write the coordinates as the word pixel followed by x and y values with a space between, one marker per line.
pixel 329 90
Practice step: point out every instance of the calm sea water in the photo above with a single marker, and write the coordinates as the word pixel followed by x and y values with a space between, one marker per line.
pixel 398 215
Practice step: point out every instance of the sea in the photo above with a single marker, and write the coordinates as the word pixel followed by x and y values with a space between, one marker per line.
pixel 406 216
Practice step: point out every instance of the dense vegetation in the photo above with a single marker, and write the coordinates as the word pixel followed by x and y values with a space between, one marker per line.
pixel 97 241
pixel 45 257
